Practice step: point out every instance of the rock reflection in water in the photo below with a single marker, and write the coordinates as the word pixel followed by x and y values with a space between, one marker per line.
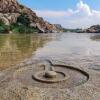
pixel 15 48
pixel 95 37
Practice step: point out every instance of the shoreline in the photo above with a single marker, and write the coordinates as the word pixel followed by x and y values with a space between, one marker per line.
pixel 84 91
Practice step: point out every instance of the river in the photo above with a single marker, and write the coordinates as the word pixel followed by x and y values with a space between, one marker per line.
pixel 71 47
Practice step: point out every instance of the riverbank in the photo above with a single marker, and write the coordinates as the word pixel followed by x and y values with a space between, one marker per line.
pixel 12 87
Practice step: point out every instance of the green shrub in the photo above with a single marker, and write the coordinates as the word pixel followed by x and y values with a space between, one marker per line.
pixel 23 19
pixel 21 6
pixel 21 26
pixel 3 28
pixel 1 22
pixel 16 28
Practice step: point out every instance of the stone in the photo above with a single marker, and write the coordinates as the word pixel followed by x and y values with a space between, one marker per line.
pixel 50 74
pixel 9 6
pixel 94 29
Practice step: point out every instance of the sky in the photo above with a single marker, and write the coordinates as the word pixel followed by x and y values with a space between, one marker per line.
pixel 68 13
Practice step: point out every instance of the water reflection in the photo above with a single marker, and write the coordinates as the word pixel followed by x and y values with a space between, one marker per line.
pixel 15 48
pixel 95 37
pixel 70 45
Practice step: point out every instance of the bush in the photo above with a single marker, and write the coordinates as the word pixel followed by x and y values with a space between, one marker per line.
pixel 23 19
pixel 3 28
pixel 21 26
pixel 21 6
pixel 16 28
pixel 1 22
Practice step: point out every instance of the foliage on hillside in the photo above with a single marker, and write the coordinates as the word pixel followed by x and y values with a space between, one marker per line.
pixel 21 26
pixel 3 28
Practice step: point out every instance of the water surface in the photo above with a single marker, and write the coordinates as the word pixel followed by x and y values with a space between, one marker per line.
pixel 15 48
pixel 75 44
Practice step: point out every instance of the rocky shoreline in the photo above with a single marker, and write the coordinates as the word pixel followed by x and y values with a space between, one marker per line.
pixel 92 29
pixel 13 89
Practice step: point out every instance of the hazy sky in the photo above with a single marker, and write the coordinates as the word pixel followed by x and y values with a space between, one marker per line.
pixel 68 13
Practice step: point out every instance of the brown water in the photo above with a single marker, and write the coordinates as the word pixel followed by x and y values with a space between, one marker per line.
pixel 81 47
pixel 15 48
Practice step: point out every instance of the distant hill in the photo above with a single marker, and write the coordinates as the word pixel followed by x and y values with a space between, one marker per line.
pixel 93 29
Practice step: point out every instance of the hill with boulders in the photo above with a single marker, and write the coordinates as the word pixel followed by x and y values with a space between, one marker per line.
pixel 93 29
pixel 15 17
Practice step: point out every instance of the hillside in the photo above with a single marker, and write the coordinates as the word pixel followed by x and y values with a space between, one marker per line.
pixel 19 17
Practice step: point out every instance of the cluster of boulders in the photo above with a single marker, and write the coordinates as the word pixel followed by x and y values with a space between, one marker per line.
pixel 9 6
pixel 93 29
pixel 9 18
pixel 10 10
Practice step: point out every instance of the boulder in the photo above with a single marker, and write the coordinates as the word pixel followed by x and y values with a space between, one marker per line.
pixel 93 29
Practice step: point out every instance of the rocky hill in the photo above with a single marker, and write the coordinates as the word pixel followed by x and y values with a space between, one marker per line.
pixel 93 29
pixel 11 11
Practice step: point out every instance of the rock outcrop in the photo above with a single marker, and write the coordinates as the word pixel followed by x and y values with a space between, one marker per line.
pixel 93 29
pixel 10 10
pixel 9 6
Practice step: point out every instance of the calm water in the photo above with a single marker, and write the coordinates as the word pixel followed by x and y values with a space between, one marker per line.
pixel 71 44
pixel 15 48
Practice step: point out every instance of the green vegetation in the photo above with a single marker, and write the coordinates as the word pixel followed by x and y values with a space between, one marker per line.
pixel 3 28
pixel 16 28
pixel 21 26
pixel 21 6
pixel 72 30
pixel 23 20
